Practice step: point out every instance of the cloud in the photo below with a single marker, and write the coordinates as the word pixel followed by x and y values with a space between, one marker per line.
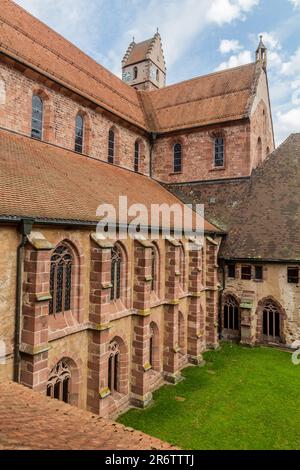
pixel 227 46
pixel 225 11
pixel 244 57
pixel 296 3
pixel 292 66
pixel 289 121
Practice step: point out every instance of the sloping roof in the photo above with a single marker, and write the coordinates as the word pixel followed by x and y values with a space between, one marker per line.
pixel 58 426
pixel 137 52
pixel 44 181
pixel 211 99
pixel 216 98
pixel 29 40
pixel 260 214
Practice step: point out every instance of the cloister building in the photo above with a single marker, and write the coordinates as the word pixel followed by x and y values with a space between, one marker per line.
pixel 101 323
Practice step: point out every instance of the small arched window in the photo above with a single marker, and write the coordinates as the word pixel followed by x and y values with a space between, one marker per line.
pixel 157 75
pixel 231 320
pixel 58 385
pixel 114 367
pixel 37 117
pixel 79 133
pixel 116 261
pixel 219 152
pixel 268 151
pixel 177 158
pixel 111 146
pixel 136 156
pixel 151 346
pixel 60 280
pixel 135 73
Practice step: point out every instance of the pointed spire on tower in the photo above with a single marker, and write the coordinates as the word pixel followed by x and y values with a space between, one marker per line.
pixel 261 53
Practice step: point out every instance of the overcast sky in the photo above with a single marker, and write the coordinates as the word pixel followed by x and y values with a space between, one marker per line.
pixel 199 37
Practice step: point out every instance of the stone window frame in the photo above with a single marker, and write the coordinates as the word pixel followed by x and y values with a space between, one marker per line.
pixel 213 136
pixel 118 345
pixel 155 269
pixel 233 301
pixel 173 141
pixel 74 365
pixel 78 267
pixel 259 315
pixel 123 299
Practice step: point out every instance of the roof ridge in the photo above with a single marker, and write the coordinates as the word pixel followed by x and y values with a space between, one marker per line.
pixel 173 85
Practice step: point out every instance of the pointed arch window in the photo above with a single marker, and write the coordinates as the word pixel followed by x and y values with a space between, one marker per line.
pixel 231 320
pixel 58 385
pixel 219 146
pixel 37 117
pixel 151 346
pixel 79 133
pixel 157 75
pixel 111 146
pixel 155 269
pixel 271 322
pixel 114 367
pixel 136 156
pixel 177 158
pixel 135 73
pixel 60 280
pixel 116 261
pixel 182 266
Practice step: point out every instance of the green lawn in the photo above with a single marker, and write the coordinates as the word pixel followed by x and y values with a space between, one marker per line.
pixel 242 399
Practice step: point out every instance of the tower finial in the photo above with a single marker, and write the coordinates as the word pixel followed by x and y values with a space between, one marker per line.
pixel 261 52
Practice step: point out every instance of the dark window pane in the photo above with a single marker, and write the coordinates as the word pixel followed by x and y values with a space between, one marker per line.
pixel 79 134
pixel 246 273
pixel 136 156
pixel 231 270
pixel 56 394
pixel 116 273
pixel 265 323
pixel 177 158
pixel 37 118
pixel 277 324
pixel 116 373
pixel 259 273
pixel 65 396
pixel 219 152
pixel 60 280
pixel 111 146
pixel 293 275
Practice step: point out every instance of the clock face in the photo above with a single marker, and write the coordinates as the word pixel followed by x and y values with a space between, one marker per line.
pixel 127 76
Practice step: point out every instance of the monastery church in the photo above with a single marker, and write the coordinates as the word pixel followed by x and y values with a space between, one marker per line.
pixel 99 323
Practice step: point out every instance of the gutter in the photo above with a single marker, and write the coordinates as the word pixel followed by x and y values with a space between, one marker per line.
pixel 24 228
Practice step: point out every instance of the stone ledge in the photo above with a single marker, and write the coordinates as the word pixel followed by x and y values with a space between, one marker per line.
pixel 34 350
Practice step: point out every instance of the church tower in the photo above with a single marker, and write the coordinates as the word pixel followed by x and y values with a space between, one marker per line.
pixel 144 66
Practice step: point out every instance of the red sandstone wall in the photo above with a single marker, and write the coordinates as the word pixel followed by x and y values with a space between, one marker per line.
pixel 198 155
pixel 59 120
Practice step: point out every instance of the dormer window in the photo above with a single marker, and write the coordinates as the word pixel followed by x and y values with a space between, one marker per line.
pixel 219 152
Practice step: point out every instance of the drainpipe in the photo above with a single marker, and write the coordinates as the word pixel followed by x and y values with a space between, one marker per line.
pixel 221 289
pixel 24 228
pixel 153 138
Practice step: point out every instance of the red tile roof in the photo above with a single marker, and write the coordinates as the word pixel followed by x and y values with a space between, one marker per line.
pixel 138 52
pixel 216 98
pixel 44 181
pixel 31 421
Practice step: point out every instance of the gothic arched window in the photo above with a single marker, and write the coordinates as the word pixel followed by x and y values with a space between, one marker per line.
pixel 37 117
pixel 79 133
pixel 157 75
pixel 61 280
pixel 151 346
pixel 116 260
pixel 271 322
pixel 177 158
pixel 135 73
pixel 114 367
pixel 136 156
pixel 58 385
pixel 111 146
pixel 231 313
pixel 219 152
